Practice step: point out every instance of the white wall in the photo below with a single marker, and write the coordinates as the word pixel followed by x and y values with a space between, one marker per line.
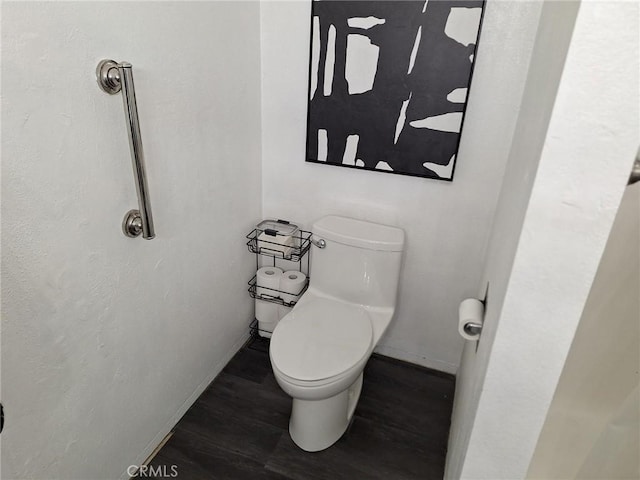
pixel 546 246
pixel 447 224
pixel 106 340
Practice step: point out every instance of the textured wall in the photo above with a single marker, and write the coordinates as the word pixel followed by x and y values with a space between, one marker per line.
pixel 447 225
pixel 106 339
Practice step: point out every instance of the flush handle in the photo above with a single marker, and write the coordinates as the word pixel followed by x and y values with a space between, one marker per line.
pixel 320 243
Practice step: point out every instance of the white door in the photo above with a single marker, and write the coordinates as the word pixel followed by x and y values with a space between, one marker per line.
pixel 592 429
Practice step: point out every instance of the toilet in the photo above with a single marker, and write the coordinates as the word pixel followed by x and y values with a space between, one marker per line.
pixel 318 351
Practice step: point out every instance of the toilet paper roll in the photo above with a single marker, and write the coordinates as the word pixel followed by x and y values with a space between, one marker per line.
pixel 267 284
pixel 471 310
pixel 268 281
pixel 267 315
pixel 282 311
pixel 266 328
pixel 291 284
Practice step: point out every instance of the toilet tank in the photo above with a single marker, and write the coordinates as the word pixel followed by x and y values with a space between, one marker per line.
pixel 360 263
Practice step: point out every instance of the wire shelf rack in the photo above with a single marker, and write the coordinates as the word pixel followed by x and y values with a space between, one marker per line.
pixel 273 295
pixel 261 242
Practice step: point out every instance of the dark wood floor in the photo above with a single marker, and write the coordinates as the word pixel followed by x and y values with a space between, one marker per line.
pixel 238 428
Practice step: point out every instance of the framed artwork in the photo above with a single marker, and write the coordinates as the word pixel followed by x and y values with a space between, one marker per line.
pixel 388 83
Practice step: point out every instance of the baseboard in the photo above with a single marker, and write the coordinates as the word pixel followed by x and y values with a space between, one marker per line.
pixel 168 427
pixel 414 366
pixel 417 359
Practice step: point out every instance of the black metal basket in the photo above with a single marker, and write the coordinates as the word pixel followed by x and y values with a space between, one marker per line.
pixel 273 295
pixel 267 245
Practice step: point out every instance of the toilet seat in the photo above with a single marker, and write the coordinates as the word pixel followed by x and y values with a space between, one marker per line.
pixel 320 340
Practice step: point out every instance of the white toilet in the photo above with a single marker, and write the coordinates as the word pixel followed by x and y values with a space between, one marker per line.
pixel 319 350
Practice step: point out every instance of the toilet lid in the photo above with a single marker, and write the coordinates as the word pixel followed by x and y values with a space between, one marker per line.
pixel 321 339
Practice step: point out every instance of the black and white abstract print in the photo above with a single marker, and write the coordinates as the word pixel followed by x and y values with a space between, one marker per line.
pixel 388 83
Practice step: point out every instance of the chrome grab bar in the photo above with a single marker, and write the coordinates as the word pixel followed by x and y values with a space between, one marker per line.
pixel 112 78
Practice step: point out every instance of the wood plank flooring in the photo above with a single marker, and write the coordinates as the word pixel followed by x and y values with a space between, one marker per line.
pixel 238 428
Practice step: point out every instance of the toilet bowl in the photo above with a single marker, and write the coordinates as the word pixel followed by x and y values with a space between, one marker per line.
pixel 319 350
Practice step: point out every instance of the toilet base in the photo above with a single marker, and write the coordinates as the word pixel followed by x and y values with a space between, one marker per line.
pixel 318 424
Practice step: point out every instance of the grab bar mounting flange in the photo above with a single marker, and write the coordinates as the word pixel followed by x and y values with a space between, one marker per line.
pixel 108 77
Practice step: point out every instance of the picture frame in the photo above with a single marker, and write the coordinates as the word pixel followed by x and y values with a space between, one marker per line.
pixel 389 83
